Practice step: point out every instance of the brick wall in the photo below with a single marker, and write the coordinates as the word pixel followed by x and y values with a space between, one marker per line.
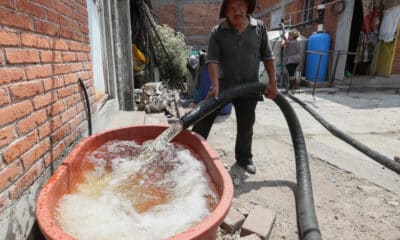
pixel 44 48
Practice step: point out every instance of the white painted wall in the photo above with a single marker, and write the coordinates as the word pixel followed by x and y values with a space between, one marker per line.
pixel 95 45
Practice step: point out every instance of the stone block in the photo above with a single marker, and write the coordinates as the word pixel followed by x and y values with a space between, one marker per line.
pixel 233 221
pixel 260 222
pixel 251 237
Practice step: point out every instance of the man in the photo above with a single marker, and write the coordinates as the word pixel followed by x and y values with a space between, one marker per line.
pixel 236 46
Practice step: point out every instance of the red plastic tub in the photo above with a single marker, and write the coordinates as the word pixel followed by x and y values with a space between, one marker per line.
pixel 60 183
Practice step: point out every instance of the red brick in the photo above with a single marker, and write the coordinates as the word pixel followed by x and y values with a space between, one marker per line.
pixel 62 8
pixel 66 91
pixel 66 33
pixel 53 83
pixel 47 159
pixel 70 138
pixel 60 133
pixel 33 40
pixel 14 56
pixel 55 123
pixel 31 9
pixel 44 130
pixel 18 20
pixel 77 121
pixel 87 66
pixel 57 150
pixel 9 174
pixel 71 101
pixel 57 108
pixel 32 121
pixel 3 97
pixel 86 48
pixel 53 16
pixel 71 4
pixel 69 23
pixel 76 67
pixel 69 57
pixel 30 157
pixel 70 78
pixel 62 68
pixel 8 3
pixel 9 38
pixel 80 107
pixel 60 44
pixel 84 29
pixel 40 71
pixel 50 57
pixel 44 100
pixel 75 46
pixel 46 28
pixel 68 115
pixel 7 134
pixel 46 3
pixel 24 90
pixel 26 180
pixel 14 112
pixel 82 57
pixel 8 75
pixel 84 75
pixel 19 147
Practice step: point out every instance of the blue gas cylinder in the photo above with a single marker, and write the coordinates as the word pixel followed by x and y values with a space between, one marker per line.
pixel 319 42
pixel 204 86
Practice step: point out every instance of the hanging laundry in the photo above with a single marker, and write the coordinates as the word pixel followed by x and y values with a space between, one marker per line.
pixel 390 21
pixel 372 12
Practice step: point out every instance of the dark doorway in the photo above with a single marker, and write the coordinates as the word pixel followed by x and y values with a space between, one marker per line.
pixel 356 29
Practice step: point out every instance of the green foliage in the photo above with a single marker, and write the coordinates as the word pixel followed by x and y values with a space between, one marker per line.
pixel 173 66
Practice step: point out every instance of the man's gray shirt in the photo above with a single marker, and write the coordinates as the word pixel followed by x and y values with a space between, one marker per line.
pixel 238 54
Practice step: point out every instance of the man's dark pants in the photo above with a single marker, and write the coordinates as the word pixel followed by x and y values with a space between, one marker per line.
pixel 245 118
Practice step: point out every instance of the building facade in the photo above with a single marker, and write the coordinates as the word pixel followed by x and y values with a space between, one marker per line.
pixel 195 18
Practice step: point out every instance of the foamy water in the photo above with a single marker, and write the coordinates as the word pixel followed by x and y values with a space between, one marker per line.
pixel 125 199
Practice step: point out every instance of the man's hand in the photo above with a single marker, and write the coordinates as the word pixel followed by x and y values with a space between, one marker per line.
pixel 213 93
pixel 271 91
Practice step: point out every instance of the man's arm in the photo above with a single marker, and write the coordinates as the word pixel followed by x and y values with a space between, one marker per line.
pixel 272 90
pixel 213 70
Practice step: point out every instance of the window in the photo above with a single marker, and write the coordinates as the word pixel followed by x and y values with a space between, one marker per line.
pixel 308 10
pixel 276 16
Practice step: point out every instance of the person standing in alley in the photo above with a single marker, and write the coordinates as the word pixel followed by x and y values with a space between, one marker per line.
pixel 291 55
pixel 235 49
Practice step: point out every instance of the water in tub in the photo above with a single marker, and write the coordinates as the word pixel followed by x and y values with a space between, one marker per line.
pixel 127 196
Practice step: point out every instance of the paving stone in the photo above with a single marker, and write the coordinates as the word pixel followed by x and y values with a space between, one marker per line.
pixel 260 222
pixel 233 221
pixel 251 237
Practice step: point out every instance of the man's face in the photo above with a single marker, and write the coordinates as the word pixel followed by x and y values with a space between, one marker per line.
pixel 236 11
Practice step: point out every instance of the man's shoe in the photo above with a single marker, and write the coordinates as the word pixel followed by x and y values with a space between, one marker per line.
pixel 248 166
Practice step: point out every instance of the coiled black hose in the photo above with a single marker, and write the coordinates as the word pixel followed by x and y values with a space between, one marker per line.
pixel 378 157
pixel 306 217
pixel 88 113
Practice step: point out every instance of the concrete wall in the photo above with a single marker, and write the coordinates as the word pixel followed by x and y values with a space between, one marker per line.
pixel 44 48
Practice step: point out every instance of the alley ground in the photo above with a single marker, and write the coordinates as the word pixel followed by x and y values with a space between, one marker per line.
pixel 355 198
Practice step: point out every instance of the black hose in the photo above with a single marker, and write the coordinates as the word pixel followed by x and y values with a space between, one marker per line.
pixel 209 105
pixel 89 116
pixel 306 217
pixel 380 158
